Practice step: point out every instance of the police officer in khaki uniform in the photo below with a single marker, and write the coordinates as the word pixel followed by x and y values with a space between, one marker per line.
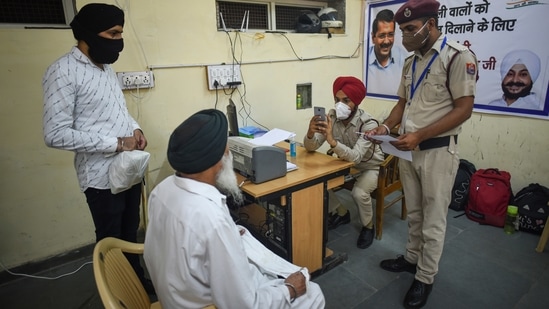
pixel 340 132
pixel 436 95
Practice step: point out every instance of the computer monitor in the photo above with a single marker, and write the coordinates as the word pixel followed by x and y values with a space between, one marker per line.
pixel 232 117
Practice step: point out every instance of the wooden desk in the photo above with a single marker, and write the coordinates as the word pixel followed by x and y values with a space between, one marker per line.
pixel 302 194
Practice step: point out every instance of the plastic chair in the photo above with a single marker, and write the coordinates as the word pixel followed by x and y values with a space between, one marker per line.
pixel 118 284
pixel 388 182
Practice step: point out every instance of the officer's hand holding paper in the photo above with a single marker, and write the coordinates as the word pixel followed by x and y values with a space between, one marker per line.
pixel 387 147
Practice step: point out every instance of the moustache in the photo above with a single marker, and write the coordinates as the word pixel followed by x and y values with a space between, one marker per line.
pixel 513 84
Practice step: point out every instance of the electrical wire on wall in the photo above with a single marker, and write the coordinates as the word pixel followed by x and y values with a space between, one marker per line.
pixel 138 100
pixel 245 110
pixel 136 97
pixel 319 57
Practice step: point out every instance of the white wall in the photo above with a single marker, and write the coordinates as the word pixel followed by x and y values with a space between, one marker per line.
pixel 43 211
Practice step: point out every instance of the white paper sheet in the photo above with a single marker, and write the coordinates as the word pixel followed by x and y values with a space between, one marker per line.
pixel 387 147
pixel 290 166
pixel 272 137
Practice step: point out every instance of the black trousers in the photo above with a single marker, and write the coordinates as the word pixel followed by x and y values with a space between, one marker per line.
pixel 117 215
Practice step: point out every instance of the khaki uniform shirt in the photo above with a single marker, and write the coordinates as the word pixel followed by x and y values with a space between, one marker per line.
pixel 431 99
pixel 351 146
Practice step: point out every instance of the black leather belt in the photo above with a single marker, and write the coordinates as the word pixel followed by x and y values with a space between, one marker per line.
pixel 437 142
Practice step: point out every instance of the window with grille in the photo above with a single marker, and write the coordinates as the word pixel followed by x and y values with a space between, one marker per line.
pixel 36 13
pixel 263 15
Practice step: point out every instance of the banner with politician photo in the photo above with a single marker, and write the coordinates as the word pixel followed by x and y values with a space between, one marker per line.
pixel 513 65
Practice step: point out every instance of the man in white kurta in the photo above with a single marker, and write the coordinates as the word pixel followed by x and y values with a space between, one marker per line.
pixel 194 251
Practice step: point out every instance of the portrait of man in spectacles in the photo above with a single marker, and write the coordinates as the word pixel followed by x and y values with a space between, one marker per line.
pixel 385 60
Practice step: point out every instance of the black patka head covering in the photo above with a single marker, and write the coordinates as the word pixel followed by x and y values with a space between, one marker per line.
pixel 199 142
pixel 94 18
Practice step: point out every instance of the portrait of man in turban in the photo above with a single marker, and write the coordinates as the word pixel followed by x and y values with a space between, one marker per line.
pixel 519 70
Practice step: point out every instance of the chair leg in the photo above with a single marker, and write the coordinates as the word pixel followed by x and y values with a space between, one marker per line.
pixel 543 238
pixel 380 208
pixel 403 210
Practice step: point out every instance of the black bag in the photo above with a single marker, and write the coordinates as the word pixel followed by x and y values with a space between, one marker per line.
pixel 460 191
pixel 533 207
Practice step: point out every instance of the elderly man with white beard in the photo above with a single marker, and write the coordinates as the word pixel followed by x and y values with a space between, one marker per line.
pixel 196 255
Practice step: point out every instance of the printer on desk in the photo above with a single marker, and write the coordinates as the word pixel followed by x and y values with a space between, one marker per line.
pixel 258 163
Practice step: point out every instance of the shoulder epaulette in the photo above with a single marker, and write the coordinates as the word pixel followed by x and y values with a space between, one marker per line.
pixel 457 46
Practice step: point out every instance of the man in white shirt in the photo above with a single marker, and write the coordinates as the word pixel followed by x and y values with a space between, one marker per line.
pixel 85 112
pixel 519 70
pixel 195 253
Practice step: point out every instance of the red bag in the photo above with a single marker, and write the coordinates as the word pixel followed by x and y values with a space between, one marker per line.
pixel 489 195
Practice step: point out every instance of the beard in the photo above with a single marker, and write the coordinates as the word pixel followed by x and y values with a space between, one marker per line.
pixel 515 95
pixel 226 180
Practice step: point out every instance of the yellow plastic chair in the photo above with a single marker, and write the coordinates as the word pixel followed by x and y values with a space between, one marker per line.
pixel 117 282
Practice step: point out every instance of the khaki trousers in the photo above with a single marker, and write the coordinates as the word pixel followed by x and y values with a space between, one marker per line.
pixel 427 182
pixel 362 189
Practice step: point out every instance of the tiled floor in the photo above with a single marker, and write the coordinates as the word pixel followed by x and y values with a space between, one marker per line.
pixel 481 267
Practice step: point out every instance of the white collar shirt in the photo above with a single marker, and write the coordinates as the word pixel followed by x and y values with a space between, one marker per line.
pixel 432 100
pixel 528 102
pixel 191 227
pixel 84 112
pixel 385 79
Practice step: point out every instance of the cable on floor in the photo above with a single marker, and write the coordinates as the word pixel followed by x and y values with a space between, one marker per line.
pixel 41 277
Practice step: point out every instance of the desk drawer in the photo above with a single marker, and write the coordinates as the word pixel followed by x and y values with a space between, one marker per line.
pixel 335 182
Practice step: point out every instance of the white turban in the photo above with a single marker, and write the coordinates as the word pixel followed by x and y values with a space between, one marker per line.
pixel 521 56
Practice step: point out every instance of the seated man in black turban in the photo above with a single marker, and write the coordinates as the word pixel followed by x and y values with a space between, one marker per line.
pixel 195 253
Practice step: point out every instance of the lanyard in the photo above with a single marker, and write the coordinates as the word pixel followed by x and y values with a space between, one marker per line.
pixel 414 87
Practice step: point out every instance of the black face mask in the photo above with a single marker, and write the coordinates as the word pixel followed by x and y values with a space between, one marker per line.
pixel 103 50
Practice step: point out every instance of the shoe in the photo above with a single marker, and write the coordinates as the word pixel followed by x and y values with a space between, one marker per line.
pixel 417 295
pixel 366 238
pixel 337 220
pixel 398 265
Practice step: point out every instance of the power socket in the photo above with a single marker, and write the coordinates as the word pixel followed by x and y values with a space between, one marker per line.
pixel 223 76
pixel 134 80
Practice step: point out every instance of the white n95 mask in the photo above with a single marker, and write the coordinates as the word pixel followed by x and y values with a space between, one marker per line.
pixel 342 111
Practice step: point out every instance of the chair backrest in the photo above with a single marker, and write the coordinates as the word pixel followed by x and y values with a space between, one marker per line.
pixel 389 177
pixel 117 282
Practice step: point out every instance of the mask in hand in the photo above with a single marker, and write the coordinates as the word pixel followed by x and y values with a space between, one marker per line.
pixel 415 41
pixel 342 111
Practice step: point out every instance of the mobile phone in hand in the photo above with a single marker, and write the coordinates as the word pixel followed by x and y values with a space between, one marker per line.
pixel 320 111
